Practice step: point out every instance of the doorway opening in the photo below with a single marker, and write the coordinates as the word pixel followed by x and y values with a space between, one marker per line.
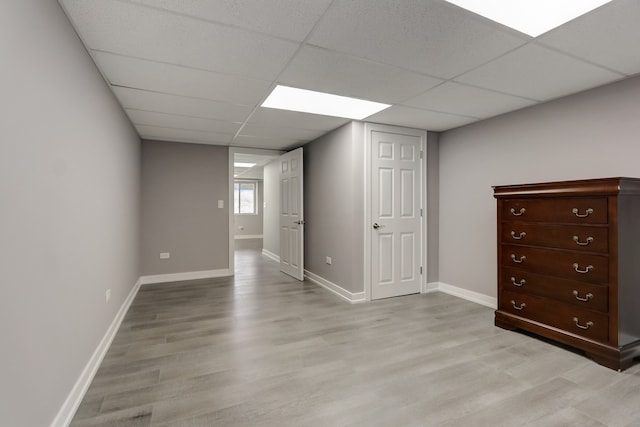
pixel 248 202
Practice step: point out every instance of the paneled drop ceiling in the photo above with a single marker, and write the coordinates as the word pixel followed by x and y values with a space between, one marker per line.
pixel 258 161
pixel 198 70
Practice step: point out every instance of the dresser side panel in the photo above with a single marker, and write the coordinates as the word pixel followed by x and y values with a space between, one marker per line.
pixel 499 209
pixel 628 248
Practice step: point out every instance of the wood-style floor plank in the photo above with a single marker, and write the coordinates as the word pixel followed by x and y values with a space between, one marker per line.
pixel 262 349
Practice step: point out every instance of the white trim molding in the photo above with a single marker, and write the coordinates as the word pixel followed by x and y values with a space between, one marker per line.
pixel 466 294
pixel 188 275
pixel 428 288
pixel 270 255
pixel 248 236
pixel 73 400
pixel 351 297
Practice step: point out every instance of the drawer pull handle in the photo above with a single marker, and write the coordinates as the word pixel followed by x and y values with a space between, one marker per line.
pixel 586 326
pixel 520 212
pixel 586 298
pixel 576 267
pixel 586 243
pixel 522 306
pixel 518 284
pixel 519 237
pixel 518 261
pixel 586 213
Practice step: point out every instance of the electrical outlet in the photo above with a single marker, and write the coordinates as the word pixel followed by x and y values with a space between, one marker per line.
pixel 108 295
pixel 328 260
pixel 165 255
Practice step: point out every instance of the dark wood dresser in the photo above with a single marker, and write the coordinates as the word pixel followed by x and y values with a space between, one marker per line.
pixel 569 264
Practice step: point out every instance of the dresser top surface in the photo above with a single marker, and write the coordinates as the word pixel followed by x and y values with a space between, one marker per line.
pixel 590 187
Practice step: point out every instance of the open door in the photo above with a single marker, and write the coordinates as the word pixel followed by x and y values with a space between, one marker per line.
pixel 291 214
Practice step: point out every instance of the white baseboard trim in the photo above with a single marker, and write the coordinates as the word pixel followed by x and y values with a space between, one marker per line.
pixel 351 297
pixel 188 275
pixel 248 236
pixel 271 255
pixel 428 288
pixel 466 294
pixel 73 400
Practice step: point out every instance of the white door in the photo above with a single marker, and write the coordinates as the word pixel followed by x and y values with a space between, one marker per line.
pixel 291 214
pixel 395 214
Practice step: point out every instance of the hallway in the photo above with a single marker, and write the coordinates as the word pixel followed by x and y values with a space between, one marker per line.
pixel 261 349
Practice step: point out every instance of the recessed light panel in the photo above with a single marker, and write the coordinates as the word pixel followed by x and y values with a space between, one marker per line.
pixel 532 17
pixel 309 101
pixel 243 165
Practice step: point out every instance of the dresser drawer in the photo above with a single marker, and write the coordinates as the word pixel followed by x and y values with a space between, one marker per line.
pixel 578 210
pixel 582 322
pixel 574 237
pixel 579 294
pixel 572 265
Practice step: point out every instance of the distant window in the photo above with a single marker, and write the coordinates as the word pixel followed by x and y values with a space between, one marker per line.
pixel 245 197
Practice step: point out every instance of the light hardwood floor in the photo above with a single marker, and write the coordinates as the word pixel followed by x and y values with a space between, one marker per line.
pixel 262 349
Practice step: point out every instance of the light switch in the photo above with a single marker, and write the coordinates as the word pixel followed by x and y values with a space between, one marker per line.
pixel 220 204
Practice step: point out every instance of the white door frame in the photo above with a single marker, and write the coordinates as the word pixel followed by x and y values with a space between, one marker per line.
pixel 422 134
pixel 232 153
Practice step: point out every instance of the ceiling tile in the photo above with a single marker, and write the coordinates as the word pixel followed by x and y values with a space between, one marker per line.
pixel 265 142
pixel 419 119
pixel 182 135
pixel 172 79
pixel 258 159
pixel 538 73
pixel 427 36
pixel 275 117
pixel 262 16
pixel 149 118
pixel 184 106
pixel 466 100
pixel 148 33
pixel 325 71
pixel 253 173
pixel 276 131
pixel 607 36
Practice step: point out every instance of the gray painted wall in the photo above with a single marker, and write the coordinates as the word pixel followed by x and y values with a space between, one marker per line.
pixel 433 203
pixel 333 206
pixel 588 135
pixel 69 180
pixel 357 207
pixel 252 224
pixel 271 223
pixel 181 186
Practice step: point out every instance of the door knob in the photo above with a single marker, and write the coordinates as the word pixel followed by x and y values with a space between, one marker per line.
pixel 376 226
pixel 300 222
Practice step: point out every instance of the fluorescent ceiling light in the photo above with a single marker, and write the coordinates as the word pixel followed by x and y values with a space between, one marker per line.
pixel 532 17
pixel 309 101
pixel 244 165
